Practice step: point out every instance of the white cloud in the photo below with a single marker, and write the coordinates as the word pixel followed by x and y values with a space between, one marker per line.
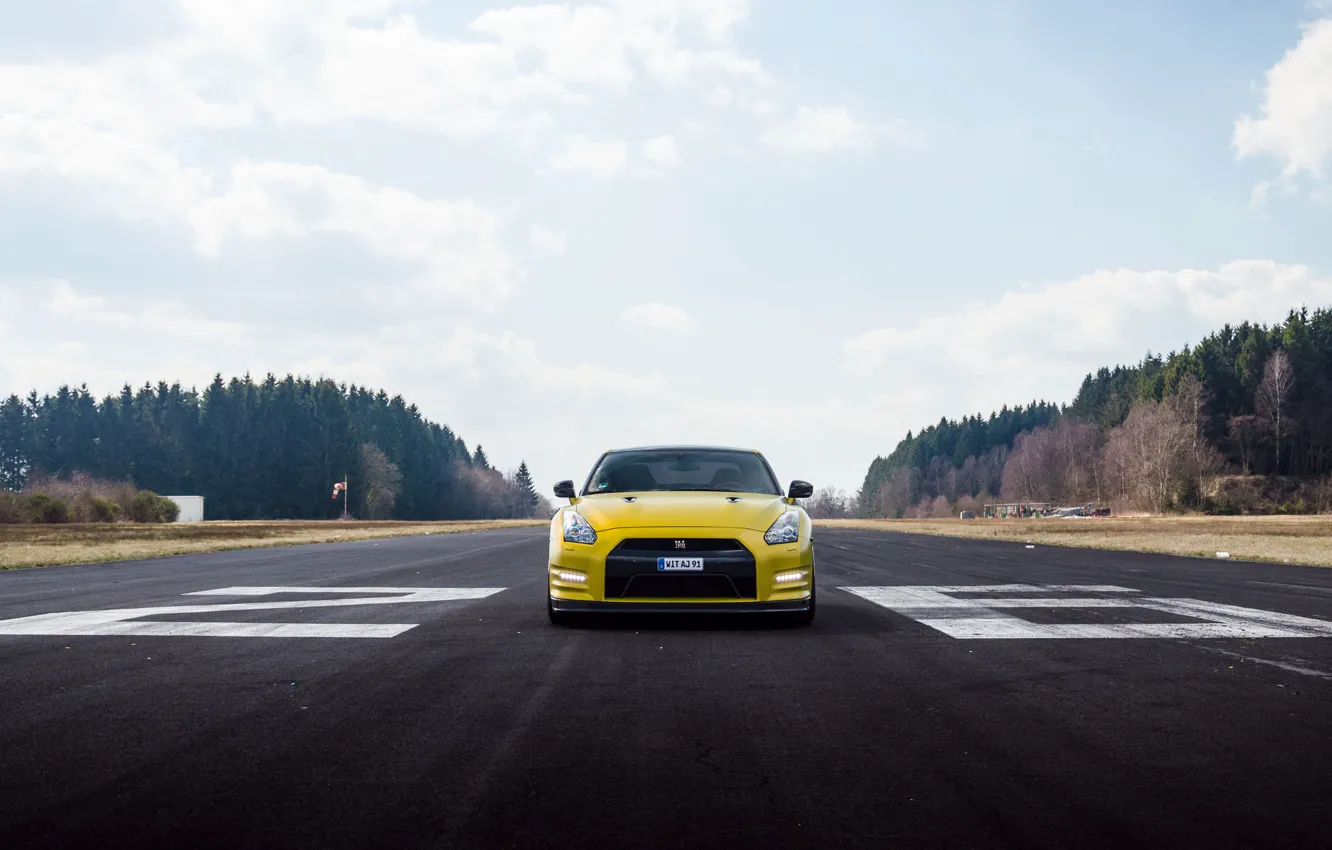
pixel 1295 127
pixel 161 318
pixel 1040 342
pixel 519 359
pixel 304 62
pixel 662 151
pixel 124 175
pixel 717 16
pixel 145 95
pixel 604 46
pixel 1036 338
pixel 820 130
pixel 658 316
pixel 581 155
pixel 551 241
pixel 455 244
pixel 72 336
pixel 124 128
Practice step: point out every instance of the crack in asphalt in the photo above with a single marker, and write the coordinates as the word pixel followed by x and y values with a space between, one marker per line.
pixel 1281 665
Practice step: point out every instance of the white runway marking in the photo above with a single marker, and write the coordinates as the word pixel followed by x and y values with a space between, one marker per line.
pixel 126 621
pixel 987 617
pixel 405 594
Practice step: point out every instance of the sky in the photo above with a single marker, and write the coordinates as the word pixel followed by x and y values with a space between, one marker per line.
pixel 560 228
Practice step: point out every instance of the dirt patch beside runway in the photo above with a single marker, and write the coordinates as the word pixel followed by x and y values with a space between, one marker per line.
pixel 49 545
pixel 1283 539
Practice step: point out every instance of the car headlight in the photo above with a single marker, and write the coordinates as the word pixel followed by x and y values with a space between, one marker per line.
pixel 785 530
pixel 576 529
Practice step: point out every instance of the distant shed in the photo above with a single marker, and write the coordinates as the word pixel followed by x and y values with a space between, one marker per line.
pixel 191 508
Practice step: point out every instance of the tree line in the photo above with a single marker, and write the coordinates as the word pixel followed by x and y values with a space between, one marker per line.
pixel 270 449
pixel 1240 422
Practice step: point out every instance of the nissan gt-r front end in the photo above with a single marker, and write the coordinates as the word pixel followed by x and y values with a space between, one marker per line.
pixel 681 530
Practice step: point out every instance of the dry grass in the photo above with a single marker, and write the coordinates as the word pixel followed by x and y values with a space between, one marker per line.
pixel 48 545
pixel 1292 539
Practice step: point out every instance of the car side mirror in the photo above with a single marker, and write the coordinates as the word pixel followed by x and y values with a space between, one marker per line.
pixel 565 490
pixel 800 490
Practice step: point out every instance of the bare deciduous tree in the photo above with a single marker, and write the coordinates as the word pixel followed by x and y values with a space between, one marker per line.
pixel 829 503
pixel 1075 469
pixel 1148 457
pixel 990 470
pixel 1190 403
pixel 940 508
pixel 1243 432
pixel 1029 470
pixel 544 509
pixel 937 476
pixel 380 481
pixel 969 503
pixel 899 493
pixel 1053 465
pixel 966 481
pixel 1273 397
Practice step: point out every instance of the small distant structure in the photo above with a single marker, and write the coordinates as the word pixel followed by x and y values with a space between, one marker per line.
pixel 191 508
pixel 1043 510
pixel 1016 510
pixel 968 515
pixel 1090 509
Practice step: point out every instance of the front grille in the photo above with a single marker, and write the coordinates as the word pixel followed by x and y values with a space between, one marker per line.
pixel 664 545
pixel 729 571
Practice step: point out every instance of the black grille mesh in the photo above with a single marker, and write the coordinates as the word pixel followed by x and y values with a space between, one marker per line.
pixel 729 571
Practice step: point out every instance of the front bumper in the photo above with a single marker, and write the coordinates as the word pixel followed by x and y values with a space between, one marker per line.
pixel 687 606
pixel 588 563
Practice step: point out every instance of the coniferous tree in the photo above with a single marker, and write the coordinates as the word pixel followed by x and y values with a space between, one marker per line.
pixel 1258 399
pixel 268 449
pixel 526 489
pixel 15 427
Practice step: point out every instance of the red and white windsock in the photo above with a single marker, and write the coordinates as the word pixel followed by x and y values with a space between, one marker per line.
pixel 338 488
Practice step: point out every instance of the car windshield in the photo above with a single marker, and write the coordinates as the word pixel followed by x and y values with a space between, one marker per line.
pixel 682 469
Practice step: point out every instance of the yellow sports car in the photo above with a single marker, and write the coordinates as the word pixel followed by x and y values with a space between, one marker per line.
pixel 681 528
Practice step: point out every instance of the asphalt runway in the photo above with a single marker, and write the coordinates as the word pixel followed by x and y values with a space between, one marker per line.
pixel 411 693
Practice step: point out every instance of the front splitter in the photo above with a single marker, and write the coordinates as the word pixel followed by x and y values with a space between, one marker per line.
pixel 574 606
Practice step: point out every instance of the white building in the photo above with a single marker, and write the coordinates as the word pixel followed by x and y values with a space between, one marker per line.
pixel 191 508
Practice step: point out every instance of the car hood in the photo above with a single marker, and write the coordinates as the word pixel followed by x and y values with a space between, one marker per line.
pixel 606 511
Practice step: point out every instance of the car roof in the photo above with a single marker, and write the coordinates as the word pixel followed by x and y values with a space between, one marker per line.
pixel 682 448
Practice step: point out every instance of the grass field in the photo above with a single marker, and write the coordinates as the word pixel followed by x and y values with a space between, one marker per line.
pixel 1283 539
pixel 49 545
pixel 1297 540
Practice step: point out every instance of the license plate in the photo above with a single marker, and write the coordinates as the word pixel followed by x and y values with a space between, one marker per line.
pixel 680 565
